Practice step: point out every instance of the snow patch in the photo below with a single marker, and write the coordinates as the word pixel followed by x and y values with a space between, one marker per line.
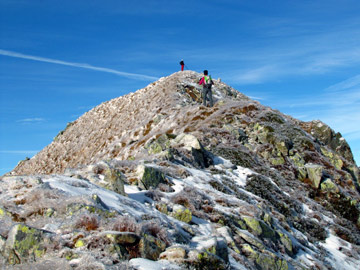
pixel 336 258
pixel 145 264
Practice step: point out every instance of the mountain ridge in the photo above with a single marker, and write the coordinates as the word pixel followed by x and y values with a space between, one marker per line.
pixel 234 186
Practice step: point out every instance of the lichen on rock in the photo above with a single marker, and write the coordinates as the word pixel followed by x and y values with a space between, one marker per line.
pixel 25 244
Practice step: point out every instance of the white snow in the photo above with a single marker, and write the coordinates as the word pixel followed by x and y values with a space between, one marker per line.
pixel 305 258
pixel 241 174
pixel 78 187
pixel 136 194
pixel 145 264
pixel 235 265
pixel 306 209
pixel 219 160
pixel 336 258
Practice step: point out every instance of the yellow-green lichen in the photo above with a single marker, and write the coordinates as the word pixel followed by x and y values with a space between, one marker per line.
pixel 253 224
pixel 184 215
pixel 79 243
pixel 329 186
pixel 27 242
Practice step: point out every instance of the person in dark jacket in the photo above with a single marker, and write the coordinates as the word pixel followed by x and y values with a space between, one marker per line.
pixel 207 83
pixel 182 64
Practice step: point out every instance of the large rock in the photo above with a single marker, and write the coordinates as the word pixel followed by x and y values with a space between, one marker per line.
pixel 264 260
pixel 122 238
pixel 259 228
pixel 149 177
pixel 158 145
pixel 314 173
pixel 329 186
pixel 192 150
pixel 116 180
pixel 174 254
pixel 25 243
pixel 188 141
pixel 211 253
pixel 211 244
pixel 151 247
pixel 105 175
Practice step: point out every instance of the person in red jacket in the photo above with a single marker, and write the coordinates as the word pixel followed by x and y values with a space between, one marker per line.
pixel 207 83
pixel 182 64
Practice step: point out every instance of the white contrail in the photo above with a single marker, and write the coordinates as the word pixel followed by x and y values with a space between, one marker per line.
pixel 80 65
pixel 20 152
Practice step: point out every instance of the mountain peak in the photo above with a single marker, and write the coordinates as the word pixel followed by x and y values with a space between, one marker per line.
pixel 107 130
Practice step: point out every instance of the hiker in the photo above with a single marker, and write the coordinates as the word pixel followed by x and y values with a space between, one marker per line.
pixel 182 64
pixel 207 83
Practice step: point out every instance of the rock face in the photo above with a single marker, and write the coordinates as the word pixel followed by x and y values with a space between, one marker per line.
pixel 156 175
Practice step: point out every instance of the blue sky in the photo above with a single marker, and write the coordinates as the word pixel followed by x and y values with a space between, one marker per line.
pixel 59 59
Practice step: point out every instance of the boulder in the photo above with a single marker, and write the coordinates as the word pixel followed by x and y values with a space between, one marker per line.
pixel 158 145
pixel 259 228
pixel 314 173
pixel 213 245
pixel 297 160
pixel 264 260
pixel 205 261
pixel 286 241
pixel 151 247
pixel 189 149
pixel 115 178
pixel 238 133
pixel 174 254
pixel 263 133
pixel 276 161
pixel 211 253
pixel 188 141
pixel 149 177
pixel 25 243
pixel 122 238
pixel 249 238
pixel 329 186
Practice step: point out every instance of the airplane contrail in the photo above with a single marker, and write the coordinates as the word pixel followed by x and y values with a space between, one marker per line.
pixel 79 65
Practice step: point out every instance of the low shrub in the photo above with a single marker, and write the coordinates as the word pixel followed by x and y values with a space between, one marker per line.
pixel 89 222
pixel 154 228
pixel 126 224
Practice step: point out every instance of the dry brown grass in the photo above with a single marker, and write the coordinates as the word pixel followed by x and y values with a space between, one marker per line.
pixel 89 222
pixel 126 224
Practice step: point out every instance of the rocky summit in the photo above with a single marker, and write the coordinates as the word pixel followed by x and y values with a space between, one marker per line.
pixel 155 180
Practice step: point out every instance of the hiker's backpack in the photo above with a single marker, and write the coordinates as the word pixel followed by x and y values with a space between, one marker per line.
pixel 208 82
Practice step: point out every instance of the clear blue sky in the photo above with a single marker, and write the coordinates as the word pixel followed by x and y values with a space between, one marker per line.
pixel 59 59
